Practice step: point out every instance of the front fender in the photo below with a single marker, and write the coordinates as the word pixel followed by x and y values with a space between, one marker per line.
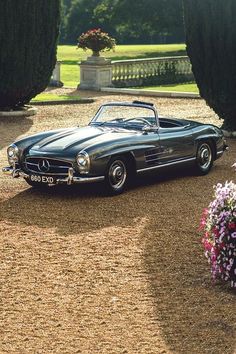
pixel 99 162
pixel 124 150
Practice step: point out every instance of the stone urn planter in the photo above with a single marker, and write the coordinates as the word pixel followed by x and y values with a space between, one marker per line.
pixel 96 71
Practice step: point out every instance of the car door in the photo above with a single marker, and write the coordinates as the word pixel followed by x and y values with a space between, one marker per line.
pixel 176 143
pixel 165 146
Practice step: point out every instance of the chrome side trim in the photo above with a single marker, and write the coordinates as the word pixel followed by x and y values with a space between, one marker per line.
pixel 166 165
pixel 149 155
pixel 153 159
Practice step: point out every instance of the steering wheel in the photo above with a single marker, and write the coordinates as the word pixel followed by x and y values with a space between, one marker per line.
pixel 141 119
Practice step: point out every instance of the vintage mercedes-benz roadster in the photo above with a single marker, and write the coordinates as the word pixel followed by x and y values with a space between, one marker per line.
pixel 122 140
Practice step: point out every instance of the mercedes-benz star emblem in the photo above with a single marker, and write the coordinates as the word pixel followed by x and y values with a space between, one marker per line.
pixel 43 165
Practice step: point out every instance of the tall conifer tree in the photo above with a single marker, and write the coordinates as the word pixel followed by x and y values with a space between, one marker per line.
pixel 28 40
pixel 211 46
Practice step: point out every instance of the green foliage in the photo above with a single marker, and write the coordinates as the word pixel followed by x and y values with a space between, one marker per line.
pixel 129 21
pixel 79 19
pixel 211 46
pixel 28 38
pixel 147 20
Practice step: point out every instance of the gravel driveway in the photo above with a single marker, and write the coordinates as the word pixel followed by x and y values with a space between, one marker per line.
pixel 81 273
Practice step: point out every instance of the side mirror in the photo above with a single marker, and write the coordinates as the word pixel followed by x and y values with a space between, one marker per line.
pixel 149 129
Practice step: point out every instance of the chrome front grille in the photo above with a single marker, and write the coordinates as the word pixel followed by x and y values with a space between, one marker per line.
pixel 47 166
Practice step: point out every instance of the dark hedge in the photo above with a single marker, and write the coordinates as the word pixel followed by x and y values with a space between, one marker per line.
pixel 28 38
pixel 211 46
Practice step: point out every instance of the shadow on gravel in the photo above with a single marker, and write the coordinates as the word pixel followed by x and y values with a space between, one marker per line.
pixel 11 128
pixel 73 209
pixel 194 315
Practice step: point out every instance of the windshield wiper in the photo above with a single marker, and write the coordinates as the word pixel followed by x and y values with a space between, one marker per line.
pixel 111 122
pixel 98 123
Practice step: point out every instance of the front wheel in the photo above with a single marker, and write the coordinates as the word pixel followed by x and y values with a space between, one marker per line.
pixel 116 176
pixel 205 158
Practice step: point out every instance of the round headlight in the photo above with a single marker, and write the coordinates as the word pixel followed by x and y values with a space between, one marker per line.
pixel 83 162
pixel 12 153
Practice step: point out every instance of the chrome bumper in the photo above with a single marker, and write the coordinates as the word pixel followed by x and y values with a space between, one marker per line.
pixel 69 179
pixel 226 147
pixel 220 152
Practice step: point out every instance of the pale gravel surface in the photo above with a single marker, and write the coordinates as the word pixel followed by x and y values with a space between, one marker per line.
pixel 81 273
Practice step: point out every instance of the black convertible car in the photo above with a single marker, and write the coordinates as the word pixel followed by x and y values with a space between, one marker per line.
pixel 123 139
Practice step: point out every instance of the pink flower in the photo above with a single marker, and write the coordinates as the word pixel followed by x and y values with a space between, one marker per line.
pixel 232 226
pixel 218 224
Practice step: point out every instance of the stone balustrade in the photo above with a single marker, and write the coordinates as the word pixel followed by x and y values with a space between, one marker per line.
pixel 138 72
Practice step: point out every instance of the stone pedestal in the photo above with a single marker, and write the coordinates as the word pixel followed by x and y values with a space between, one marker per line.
pixel 56 76
pixel 95 73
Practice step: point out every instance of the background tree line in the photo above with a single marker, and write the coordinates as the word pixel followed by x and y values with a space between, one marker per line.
pixel 129 21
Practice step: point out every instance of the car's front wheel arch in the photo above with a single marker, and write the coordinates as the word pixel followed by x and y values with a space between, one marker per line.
pixel 121 170
pixel 213 146
pixel 130 162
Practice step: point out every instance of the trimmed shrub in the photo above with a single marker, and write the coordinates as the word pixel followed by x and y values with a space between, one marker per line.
pixel 211 46
pixel 28 38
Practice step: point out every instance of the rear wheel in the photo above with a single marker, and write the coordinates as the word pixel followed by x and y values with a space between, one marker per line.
pixel 117 175
pixel 205 158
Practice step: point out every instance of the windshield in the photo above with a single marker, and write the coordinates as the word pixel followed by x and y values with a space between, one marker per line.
pixel 125 116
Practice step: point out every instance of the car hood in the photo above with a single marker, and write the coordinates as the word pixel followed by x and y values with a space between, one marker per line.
pixel 78 139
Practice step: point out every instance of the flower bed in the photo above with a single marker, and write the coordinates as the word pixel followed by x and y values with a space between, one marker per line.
pixel 219 238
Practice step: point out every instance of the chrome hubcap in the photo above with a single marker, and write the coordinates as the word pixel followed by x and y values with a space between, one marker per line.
pixel 117 174
pixel 204 156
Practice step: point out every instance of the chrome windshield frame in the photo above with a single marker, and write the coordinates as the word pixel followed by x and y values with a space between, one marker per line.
pixel 127 104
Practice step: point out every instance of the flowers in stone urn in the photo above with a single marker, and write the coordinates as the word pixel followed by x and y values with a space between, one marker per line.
pixel 97 41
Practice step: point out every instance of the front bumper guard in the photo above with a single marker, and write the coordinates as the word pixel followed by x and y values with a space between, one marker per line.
pixel 69 179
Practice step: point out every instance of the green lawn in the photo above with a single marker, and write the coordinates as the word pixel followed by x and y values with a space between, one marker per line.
pixel 54 97
pixel 70 56
pixel 176 88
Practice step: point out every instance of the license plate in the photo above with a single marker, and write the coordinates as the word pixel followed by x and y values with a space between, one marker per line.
pixel 43 179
